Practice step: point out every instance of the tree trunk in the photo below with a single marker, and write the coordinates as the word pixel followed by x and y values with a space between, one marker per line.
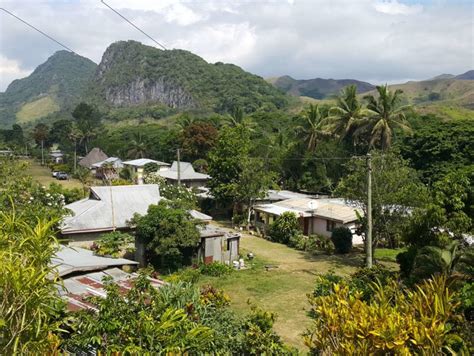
pixel 42 152
pixel 75 157
pixel 249 213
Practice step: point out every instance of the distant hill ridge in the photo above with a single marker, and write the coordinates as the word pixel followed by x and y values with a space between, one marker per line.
pixel 317 88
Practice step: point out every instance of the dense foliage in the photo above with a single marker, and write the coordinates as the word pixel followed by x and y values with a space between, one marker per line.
pixel 168 232
pixel 219 87
pixel 29 304
pixel 395 320
pixel 341 237
pixel 284 228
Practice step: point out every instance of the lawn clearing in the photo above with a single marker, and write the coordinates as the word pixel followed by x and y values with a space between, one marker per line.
pixel 281 289
pixel 42 174
pixel 387 254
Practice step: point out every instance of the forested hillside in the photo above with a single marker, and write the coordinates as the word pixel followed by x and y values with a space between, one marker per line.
pixel 132 74
pixel 56 85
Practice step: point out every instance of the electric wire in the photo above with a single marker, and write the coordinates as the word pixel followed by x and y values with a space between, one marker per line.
pixel 38 30
pixel 131 23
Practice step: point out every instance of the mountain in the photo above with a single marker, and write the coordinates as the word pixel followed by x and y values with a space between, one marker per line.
pixel 443 76
pixel 317 88
pixel 132 74
pixel 54 86
pixel 469 75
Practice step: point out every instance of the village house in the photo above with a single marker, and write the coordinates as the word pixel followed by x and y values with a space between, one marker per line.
pixel 187 175
pixel 110 208
pixel 108 169
pixel 316 216
pixel 137 167
pixel 94 156
pixel 82 273
pixel 56 156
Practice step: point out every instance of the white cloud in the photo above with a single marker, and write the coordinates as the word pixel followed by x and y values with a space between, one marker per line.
pixel 393 7
pixel 11 70
pixel 371 40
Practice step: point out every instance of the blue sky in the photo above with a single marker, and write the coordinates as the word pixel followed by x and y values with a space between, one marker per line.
pixel 373 40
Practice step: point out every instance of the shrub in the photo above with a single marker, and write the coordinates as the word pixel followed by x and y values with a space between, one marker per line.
pixel 319 243
pixel 298 241
pixel 395 321
pixel 284 228
pixel 342 239
pixel 113 244
pixel 186 275
pixel 215 269
pixel 363 280
pixel 213 296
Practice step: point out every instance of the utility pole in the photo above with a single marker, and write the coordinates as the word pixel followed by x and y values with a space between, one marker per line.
pixel 179 168
pixel 369 212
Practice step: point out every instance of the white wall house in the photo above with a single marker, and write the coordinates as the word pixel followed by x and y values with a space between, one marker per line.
pixel 316 216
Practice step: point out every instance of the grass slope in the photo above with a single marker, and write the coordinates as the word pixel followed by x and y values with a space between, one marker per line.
pixel 37 109
pixel 282 289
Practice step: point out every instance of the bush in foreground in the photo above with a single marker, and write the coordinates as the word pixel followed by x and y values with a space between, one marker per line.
pixel 342 239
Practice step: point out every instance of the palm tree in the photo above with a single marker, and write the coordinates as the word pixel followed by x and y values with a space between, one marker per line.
pixel 385 113
pixel 40 134
pixel 138 146
pixel 346 114
pixel 237 118
pixel 314 128
pixel 75 135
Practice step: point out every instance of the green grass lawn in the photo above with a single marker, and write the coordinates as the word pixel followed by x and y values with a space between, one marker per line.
pixel 282 289
pixel 387 254
pixel 42 174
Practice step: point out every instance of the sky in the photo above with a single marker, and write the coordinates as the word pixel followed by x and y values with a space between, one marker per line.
pixel 377 41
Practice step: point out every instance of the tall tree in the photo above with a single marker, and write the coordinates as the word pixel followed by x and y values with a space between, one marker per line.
pixel 346 114
pixel 87 120
pixel 396 190
pixel 314 126
pixel 75 136
pixel 138 146
pixel 40 134
pixel 225 163
pixel 197 139
pixel 385 114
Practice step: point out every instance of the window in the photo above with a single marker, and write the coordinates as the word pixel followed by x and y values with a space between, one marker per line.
pixel 330 225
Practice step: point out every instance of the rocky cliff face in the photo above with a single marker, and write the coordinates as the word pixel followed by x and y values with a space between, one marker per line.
pixel 128 78
pixel 144 91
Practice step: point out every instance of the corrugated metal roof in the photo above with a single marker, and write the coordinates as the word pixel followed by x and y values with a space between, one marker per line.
pixel 95 213
pixel 187 172
pixel 140 162
pixel 332 209
pixel 78 288
pixel 71 260
pixel 115 161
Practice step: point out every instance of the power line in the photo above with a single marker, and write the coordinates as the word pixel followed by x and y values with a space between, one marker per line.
pixel 38 30
pixel 131 23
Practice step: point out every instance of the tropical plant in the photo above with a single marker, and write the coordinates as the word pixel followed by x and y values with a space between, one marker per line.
pixel 394 321
pixel 114 244
pixel 284 228
pixel 346 114
pixel 314 128
pixel 138 146
pixel 385 114
pixel 87 120
pixel 30 307
pixel 40 134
